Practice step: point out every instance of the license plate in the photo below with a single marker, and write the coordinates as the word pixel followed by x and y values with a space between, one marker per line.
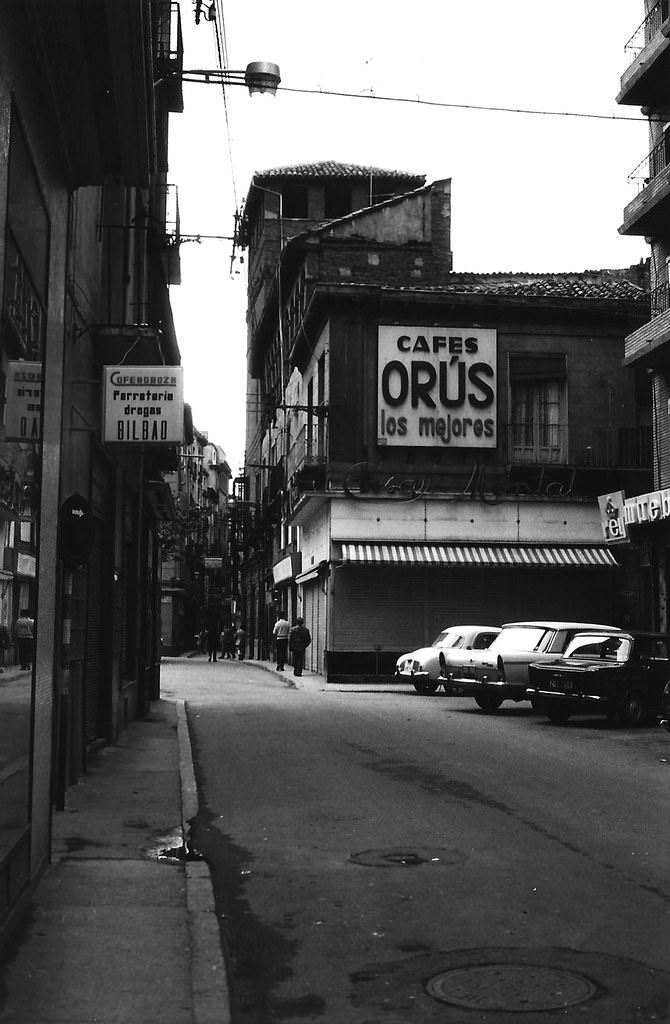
pixel 557 683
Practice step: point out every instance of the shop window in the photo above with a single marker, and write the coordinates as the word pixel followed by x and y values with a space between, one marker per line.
pixel 21 351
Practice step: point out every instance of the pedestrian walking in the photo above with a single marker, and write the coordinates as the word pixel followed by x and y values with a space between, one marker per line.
pixel 24 629
pixel 240 642
pixel 228 641
pixel 280 633
pixel 5 644
pixel 299 639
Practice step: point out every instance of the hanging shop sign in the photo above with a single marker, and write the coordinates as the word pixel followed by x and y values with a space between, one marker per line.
pixel 437 387
pixel 23 417
pixel 143 405
pixel 612 517
pixel 618 512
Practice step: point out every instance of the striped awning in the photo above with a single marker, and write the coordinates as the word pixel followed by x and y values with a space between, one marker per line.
pixel 472 555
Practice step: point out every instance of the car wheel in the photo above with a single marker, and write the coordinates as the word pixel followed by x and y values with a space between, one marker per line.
pixel 489 701
pixel 558 716
pixel 427 687
pixel 631 711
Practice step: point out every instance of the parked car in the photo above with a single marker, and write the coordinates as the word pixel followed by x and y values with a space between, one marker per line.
pixel 422 667
pixel 621 675
pixel 501 672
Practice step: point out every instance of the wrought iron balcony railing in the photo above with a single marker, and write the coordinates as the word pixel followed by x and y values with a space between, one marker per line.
pixel 310 448
pixel 168 44
pixel 652 165
pixel 599 447
pixel 660 300
pixel 645 32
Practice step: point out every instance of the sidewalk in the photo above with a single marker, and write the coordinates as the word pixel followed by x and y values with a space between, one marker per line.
pixel 123 928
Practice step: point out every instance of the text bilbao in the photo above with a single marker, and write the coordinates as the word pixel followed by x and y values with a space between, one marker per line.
pixel 436 386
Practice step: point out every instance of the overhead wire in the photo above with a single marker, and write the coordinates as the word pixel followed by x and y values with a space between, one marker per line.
pixel 219 27
pixel 459 106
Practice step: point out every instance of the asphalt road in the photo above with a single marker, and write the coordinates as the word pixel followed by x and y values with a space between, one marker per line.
pixel 380 856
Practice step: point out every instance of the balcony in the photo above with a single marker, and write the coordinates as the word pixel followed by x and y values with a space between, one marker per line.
pixel 649 213
pixel 169 53
pixel 649 52
pixel 595 447
pixel 649 345
pixel 309 453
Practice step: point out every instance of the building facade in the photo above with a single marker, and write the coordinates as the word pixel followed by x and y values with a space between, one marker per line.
pixel 88 246
pixel 196 576
pixel 637 522
pixel 426 447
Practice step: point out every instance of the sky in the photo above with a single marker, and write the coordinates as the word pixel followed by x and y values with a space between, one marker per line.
pixel 530 192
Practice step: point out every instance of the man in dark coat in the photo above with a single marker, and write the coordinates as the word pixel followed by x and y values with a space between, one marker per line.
pixel 299 639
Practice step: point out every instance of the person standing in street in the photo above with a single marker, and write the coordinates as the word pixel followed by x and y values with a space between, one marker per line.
pixel 228 641
pixel 280 633
pixel 212 642
pixel 299 639
pixel 240 642
pixel 24 628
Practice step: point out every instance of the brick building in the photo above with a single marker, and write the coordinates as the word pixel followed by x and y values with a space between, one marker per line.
pixel 423 446
pixel 637 521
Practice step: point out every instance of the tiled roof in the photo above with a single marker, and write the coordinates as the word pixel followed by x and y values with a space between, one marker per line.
pixel 335 169
pixel 590 284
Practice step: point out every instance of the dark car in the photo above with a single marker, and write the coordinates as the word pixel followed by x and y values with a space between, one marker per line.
pixel 621 676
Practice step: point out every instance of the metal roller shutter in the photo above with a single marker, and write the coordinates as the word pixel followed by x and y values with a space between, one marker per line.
pixel 314 613
pixel 398 608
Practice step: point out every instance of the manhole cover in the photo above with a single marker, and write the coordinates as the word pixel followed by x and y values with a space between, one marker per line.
pixel 514 988
pixel 406 856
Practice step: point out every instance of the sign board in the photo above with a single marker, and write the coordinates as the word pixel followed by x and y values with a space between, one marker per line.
pixel 23 416
pixel 437 387
pixel 143 405
pixel 613 517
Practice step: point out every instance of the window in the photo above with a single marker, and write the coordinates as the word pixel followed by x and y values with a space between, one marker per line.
pixel 295 202
pixel 537 408
pixel 338 200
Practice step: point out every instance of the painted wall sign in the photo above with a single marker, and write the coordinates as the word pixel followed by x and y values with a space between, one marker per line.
pixel 143 405
pixel 436 387
pixel 23 417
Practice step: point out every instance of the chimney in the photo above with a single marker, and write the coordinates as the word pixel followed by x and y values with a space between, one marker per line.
pixel 440 225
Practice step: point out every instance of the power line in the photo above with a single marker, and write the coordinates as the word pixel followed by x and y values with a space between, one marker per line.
pixel 464 106
pixel 222 52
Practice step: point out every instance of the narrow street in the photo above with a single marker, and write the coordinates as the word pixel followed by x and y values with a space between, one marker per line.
pixel 381 856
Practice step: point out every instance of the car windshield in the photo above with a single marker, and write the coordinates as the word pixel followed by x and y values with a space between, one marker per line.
pixel 521 638
pixel 447 638
pixel 600 646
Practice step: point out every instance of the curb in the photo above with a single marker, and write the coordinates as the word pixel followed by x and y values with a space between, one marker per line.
pixel 209 980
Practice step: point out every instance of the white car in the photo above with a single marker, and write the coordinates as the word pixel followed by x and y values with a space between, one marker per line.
pixel 422 667
pixel 502 672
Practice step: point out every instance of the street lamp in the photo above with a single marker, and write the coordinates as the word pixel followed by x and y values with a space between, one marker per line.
pixel 259 76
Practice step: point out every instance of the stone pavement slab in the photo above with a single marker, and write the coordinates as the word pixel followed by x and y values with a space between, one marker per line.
pixel 122 929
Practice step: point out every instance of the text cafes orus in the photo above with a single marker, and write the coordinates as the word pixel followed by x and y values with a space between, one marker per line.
pixel 436 386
